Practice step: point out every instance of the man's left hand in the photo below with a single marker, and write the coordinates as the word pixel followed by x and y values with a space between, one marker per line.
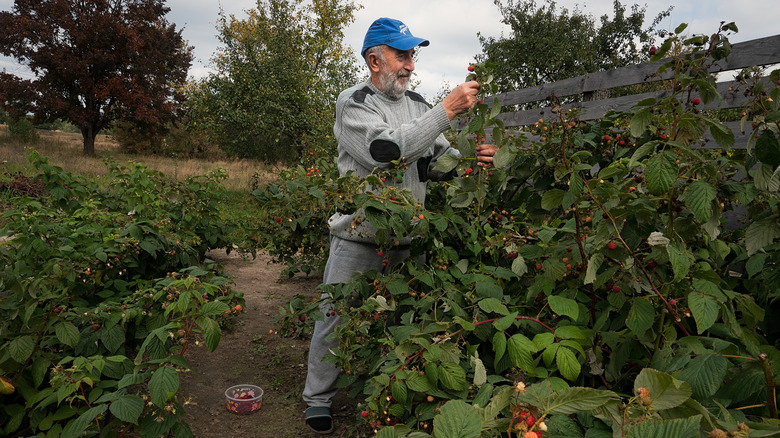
pixel 485 154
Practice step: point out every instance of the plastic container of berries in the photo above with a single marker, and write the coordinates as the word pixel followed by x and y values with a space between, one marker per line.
pixel 244 399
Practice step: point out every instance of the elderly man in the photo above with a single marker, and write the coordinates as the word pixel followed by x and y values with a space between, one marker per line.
pixel 377 122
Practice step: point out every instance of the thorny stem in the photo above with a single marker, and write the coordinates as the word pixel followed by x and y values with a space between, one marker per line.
pixel 578 234
pixel 771 391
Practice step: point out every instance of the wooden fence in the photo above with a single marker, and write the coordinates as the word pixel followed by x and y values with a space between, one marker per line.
pixel 758 52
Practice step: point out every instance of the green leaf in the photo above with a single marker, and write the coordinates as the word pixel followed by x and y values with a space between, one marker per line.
pixel 564 306
pixel 639 122
pixel 593 267
pixel 499 346
pixel 113 338
pixel 705 374
pixel 704 309
pixel 488 288
pixel 399 391
pixel 468 326
pixel 768 149
pixel 504 323
pixel 452 376
pixel 476 124
pixel 386 432
pixel 641 151
pixel 552 199
pixel 457 420
pixel 761 233
pixel 766 179
pixel 127 408
pixel 641 316
pixel 492 305
pixel 397 287
pixel 570 332
pixel 503 158
pixel 698 197
pixel 520 349
pixel 678 428
pixel 666 392
pixel 418 383
pixel 21 348
pixel 495 109
pixel 213 308
pixel 76 427
pixel 164 381
pixel 67 333
pixel 661 173
pixel 519 267
pixel 446 163
pixel 575 399
pixel 678 256
pixel 480 372
pixel 755 264
pixel 567 363
pixel 721 134
pixel 211 332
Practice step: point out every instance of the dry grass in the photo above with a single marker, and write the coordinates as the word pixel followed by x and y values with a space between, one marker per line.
pixel 64 149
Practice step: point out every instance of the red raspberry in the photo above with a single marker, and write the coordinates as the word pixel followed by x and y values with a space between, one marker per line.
pixel 471 68
pixel 612 245
pixel 696 101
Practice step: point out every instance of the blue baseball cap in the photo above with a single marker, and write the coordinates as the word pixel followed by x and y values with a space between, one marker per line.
pixel 393 33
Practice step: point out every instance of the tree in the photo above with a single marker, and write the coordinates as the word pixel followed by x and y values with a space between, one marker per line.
pixel 94 62
pixel 277 78
pixel 547 46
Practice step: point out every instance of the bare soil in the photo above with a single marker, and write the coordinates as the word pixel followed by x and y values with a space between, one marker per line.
pixel 248 353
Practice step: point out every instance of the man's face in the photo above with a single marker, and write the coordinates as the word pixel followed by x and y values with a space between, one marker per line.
pixel 396 71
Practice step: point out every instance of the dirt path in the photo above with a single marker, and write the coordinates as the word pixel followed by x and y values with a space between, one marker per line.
pixel 249 354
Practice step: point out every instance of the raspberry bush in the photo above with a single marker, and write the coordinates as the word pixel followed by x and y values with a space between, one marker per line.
pixel 595 270
pixel 102 290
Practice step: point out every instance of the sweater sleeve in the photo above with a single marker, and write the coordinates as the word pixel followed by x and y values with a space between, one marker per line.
pixel 366 133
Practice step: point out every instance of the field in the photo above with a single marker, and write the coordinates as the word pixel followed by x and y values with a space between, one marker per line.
pixel 64 149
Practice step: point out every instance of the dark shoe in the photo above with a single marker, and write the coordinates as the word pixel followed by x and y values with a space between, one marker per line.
pixel 319 419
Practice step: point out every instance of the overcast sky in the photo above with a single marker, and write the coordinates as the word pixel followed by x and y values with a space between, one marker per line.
pixel 452 26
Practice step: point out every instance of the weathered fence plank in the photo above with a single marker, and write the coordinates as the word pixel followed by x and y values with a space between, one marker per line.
pixel 762 51
pixel 758 52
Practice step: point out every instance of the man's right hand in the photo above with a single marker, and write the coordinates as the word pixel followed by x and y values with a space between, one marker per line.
pixel 461 99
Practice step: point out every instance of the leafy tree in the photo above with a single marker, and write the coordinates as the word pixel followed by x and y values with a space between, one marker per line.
pixel 547 45
pixel 276 78
pixel 94 62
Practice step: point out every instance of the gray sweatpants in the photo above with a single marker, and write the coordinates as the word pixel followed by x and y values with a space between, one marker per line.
pixel 345 258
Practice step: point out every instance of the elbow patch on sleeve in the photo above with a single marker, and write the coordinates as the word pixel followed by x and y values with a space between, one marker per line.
pixel 384 151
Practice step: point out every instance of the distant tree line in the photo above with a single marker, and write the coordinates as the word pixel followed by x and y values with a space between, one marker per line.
pixel 121 65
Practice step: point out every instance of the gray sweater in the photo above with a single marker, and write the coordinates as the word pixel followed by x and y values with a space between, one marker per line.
pixel 372 130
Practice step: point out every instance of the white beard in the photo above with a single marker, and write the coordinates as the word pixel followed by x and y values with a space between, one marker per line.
pixel 394 84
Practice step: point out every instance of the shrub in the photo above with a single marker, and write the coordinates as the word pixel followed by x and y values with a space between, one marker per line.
pixel 22 129
pixel 101 293
pixel 588 273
